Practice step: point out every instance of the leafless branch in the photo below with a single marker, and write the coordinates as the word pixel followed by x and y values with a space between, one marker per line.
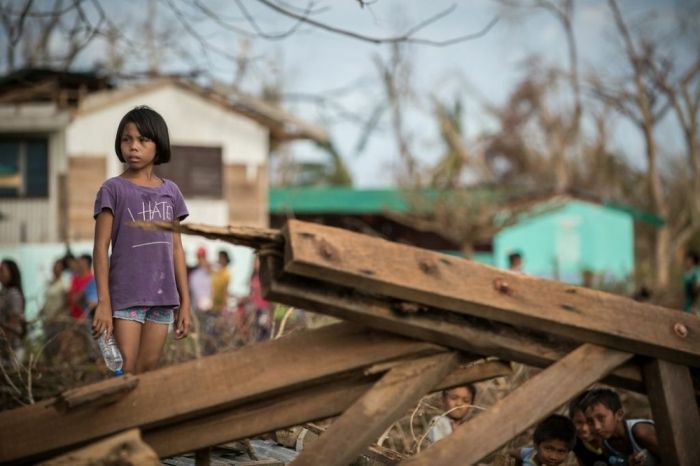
pixel 406 37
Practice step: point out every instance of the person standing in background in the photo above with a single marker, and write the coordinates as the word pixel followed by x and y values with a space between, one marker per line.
pixel 691 282
pixel 13 325
pixel 80 280
pixel 220 279
pixel 53 313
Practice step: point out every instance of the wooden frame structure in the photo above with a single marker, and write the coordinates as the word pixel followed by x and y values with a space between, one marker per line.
pixel 414 318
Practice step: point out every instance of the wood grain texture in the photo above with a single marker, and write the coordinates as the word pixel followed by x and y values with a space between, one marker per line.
pixel 289 409
pixel 97 394
pixel 176 393
pixel 386 402
pixel 527 405
pixel 675 412
pixel 488 339
pixel 124 449
pixel 433 279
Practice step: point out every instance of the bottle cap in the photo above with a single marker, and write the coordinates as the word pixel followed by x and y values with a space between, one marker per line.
pixel 118 372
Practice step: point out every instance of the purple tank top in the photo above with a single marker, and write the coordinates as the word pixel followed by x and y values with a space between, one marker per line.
pixel 141 271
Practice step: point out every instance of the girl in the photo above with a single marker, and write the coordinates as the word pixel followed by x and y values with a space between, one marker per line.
pixel 12 323
pixel 144 284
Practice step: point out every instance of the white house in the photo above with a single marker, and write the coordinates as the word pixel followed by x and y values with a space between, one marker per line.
pixel 57 133
pixel 56 152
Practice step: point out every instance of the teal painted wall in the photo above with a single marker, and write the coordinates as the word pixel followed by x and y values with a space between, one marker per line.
pixel 563 243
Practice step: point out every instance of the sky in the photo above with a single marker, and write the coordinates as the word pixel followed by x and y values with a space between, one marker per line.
pixel 312 62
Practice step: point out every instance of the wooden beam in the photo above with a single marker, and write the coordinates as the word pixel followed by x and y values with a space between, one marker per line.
pixel 466 287
pixel 675 412
pixel 94 395
pixel 198 387
pixel 454 331
pixel 252 237
pixel 379 454
pixel 290 409
pixel 527 405
pixel 125 449
pixel 389 399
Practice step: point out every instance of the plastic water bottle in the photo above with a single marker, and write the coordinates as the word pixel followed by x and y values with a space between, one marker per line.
pixel 617 461
pixel 111 353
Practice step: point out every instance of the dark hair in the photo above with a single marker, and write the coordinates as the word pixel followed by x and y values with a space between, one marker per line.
pixel 555 427
pixel 694 256
pixel 225 255
pixel 151 125
pixel 513 257
pixel 602 396
pixel 15 275
pixel 88 258
pixel 470 387
pixel 575 404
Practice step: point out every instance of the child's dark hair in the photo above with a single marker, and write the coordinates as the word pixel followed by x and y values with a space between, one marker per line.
pixel 555 427
pixel 514 257
pixel 470 387
pixel 575 404
pixel 693 256
pixel 225 255
pixel 15 276
pixel 87 258
pixel 151 125
pixel 602 396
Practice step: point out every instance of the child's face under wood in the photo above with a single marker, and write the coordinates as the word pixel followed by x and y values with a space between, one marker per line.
pixel 583 430
pixel 459 396
pixel 603 420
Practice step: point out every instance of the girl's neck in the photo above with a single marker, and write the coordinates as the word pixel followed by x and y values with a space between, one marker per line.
pixel 142 177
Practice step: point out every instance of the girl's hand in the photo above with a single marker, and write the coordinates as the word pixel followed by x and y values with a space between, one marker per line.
pixel 102 321
pixel 184 321
pixel 637 459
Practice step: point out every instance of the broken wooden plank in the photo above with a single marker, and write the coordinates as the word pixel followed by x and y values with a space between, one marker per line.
pixel 434 279
pixel 454 331
pixel 252 237
pixel 97 394
pixel 290 409
pixel 126 448
pixel 675 413
pixel 527 405
pixel 375 452
pixel 194 388
pixel 387 401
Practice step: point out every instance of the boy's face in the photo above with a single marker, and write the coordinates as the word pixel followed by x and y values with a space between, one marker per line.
pixel 603 420
pixel 583 430
pixel 552 452
pixel 459 396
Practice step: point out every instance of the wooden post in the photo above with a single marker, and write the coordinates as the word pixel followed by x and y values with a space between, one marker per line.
pixel 486 338
pixel 466 287
pixel 389 399
pixel 527 405
pixel 675 412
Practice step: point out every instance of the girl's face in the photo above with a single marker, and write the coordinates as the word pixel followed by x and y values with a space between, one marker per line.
pixel 4 274
pixel 57 269
pixel 138 151
pixel 460 396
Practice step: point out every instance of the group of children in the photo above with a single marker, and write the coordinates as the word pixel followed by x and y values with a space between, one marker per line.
pixel 596 431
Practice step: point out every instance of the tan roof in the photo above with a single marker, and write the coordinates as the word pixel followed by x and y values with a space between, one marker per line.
pixel 283 125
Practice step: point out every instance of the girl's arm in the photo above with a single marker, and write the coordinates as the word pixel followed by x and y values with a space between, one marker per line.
pixel 100 254
pixel 184 320
pixel 517 455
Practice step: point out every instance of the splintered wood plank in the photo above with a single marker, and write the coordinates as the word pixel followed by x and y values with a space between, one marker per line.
pixel 97 394
pixel 194 388
pixel 290 409
pixel 389 399
pixel 675 412
pixel 454 331
pixel 413 274
pixel 527 405
pixel 124 449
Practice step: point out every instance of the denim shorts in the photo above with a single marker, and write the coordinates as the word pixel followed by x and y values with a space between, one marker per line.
pixel 157 314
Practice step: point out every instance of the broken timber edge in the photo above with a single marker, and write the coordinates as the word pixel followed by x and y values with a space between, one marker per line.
pixel 490 339
pixel 466 287
pixel 98 394
pixel 184 391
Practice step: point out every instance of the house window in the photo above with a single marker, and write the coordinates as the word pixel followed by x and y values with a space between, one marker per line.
pixel 197 171
pixel 24 168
